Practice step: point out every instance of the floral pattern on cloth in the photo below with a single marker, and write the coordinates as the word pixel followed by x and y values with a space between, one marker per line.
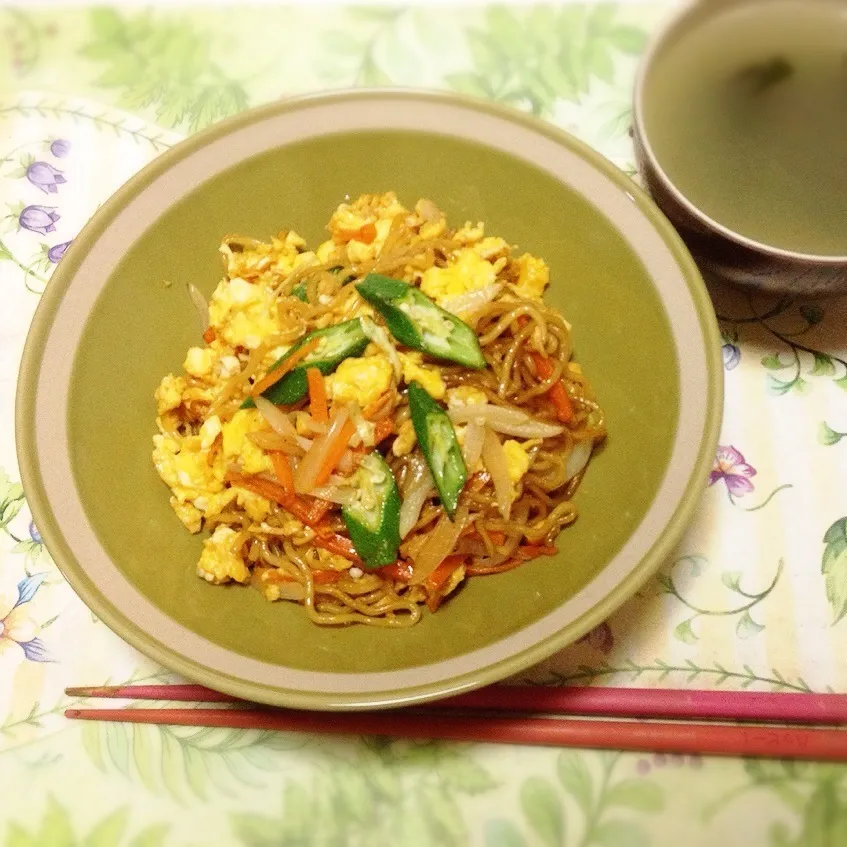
pixel 754 597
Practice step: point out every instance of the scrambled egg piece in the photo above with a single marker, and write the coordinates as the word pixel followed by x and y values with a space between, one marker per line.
pixel 218 561
pixel 367 209
pixel 169 393
pixel 325 251
pixel 534 277
pixel 236 445
pixel 363 380
pixel 468 271
pixel 243 313
pixel 429 378
pixel 261 260
pixel 492 248
pixel 190 515
pixel 200 361
pixel 469 234
pixel 184 466
pixel 362 251
pixel 465 394
pixel 406 439
pixel 518 458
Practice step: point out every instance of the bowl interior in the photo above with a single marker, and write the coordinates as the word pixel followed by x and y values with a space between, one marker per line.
pixel 143 323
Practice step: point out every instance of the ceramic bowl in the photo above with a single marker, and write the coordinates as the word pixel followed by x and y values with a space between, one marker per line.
pixel 717 249
pixel 109 327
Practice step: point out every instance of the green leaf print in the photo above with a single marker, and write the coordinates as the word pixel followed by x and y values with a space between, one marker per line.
pixel 823 366
pixel 11 499
pixel 184 761
pixel 152 836
pixel 109 832
pixel 164 64
pixel 533 57
pixel 638 794
pixel 685 633
pixel 746 627
pixel 543 810
pixel 774 363
pixel 576 778
pixel 834 568
pixel 502 833
pixel 56 830
pixel 828 436
pixel 616 833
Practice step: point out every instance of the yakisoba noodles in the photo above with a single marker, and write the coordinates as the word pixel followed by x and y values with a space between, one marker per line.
pixel 375 421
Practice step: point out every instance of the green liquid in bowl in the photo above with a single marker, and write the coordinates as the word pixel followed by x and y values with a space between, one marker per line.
pixel 747 116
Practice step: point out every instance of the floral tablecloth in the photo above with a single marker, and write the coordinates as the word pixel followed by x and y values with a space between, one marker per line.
pixel 754 598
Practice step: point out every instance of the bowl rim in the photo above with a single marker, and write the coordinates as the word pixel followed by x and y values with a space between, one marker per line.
pixel 147 643
pixel 664 36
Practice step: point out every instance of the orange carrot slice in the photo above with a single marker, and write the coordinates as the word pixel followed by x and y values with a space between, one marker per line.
pixel 334 452
pixel 282 469
pixel 317 395
pixel 286 365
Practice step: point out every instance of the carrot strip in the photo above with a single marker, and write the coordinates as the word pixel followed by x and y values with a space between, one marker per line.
pixel 282 469
pixel 209 335
pixel 366 234
pixel 286 365
pixel 318 510
pixel 382 429
pixel 437 579
pixel 557 393
pixel 317 395
pixel 523 554
pixel 533 551
pixel 338 544
pixel 400 571
pixel 334 452
pixel 496 536
pixel 325 577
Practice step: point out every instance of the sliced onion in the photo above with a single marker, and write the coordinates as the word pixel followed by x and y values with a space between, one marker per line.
pixel 291 591
pixel 277 419
pixel 496 464
pixel 343 495
pixel 346 465
pixel 364 428
pixel 578 459
pixel 508 421
pixel 310 464
pixel 200 304
pixel 379 336
pixel 439 544
pixel 303 442
pixel 464 304
pixel 419 488
pixel 472 444
pixel 275 441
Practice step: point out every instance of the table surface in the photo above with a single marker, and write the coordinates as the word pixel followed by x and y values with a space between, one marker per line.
pixel 754 597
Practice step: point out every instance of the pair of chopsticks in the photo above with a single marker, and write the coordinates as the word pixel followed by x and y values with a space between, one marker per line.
pixel 631 719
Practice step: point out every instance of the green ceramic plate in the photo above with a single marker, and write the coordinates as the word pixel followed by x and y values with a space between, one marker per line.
pixel 108 328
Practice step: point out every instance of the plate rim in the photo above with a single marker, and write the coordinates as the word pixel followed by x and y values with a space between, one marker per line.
pixel 169 658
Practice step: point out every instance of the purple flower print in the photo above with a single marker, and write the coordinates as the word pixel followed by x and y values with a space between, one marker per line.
pixel 60 148
pixel 731 356
pixel 57 251
pixel 731 467
pixel 17 629
pixel 34 534
pixel 39 219
pixel 44 176
pixel 600 638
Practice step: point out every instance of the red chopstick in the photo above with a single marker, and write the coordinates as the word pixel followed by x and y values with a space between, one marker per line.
pixel 638 736
pixel 759 707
